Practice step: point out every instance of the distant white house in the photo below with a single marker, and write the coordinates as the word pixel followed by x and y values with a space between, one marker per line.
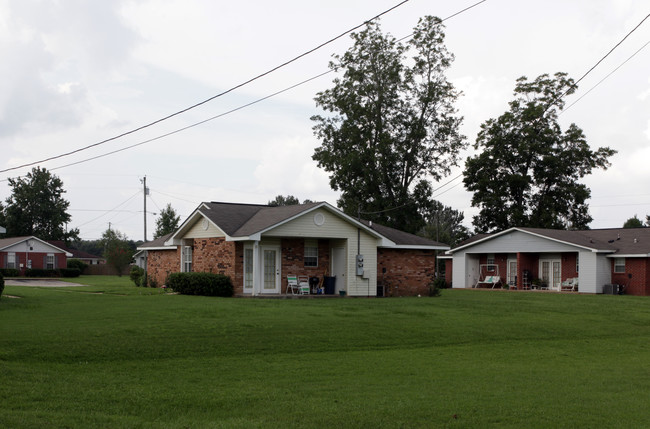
pixel 2 230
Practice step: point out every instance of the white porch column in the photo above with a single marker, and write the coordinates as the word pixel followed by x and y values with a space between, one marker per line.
pixel 256 268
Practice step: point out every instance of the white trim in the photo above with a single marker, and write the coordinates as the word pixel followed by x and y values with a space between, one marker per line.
pixel 31 237
pixel 416 247
pixel 616 255
pixel 498 234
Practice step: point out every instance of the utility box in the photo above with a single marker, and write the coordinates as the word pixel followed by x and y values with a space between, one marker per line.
pixel 359 265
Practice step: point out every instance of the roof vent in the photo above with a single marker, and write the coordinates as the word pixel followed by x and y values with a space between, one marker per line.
pixel 636 240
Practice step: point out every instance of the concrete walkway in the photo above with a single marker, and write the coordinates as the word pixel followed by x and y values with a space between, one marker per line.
pixel 39 283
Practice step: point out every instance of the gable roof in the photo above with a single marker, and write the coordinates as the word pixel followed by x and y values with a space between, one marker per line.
pixel 8 242
pixel 616 241
pixel 249 221
pixel 406 240
pixel 79 254
pixel 157 244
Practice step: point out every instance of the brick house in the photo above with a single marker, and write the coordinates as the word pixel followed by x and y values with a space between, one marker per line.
pixel 31 252
pixel 259 245
pixel 602 260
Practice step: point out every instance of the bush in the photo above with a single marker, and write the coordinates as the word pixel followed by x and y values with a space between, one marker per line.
pixel 436 286
pixel 41 272
pixel 2 284
pixel 69 272
pixel 136 274
pixel 205 284
pixel 153 282
pixel 77 263
pixel 10 272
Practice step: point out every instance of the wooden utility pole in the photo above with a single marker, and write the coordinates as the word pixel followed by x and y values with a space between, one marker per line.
pixel 145 192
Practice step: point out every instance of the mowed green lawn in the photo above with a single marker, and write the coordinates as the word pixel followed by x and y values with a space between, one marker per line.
pixel 113 355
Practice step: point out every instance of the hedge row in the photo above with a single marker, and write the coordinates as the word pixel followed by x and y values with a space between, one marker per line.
pixel 39 272
pixel 205 284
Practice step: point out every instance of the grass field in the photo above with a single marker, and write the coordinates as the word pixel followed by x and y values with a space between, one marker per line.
pixel 113 355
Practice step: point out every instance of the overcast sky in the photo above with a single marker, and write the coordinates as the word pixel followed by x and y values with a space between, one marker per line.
pixel 77 72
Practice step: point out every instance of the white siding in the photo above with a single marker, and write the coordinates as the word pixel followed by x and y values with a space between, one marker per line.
pixel 595 271
pixel 519 242
pixel 338 228
pixel 36 245
pixel 197 231
pixel 464 270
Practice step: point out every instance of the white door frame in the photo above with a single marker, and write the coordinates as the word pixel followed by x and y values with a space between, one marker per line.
pixel 552 281
pixel 508 273
pixel 339 271
pixel 278 269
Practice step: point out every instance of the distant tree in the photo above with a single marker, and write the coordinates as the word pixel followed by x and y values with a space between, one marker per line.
pixel 281 200
pixel 167 222
pixel 647 220
pixel 36 207
pixel 633 222
pixel 392 125
pixel 445 225
pixel 528 169
pixel 118 251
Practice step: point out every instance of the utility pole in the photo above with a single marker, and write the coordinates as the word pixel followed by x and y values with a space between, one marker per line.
pixel 145 192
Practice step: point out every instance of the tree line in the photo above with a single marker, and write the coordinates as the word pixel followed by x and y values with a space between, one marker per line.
pixel 389 130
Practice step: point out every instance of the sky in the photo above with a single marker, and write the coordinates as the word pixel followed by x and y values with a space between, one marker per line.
pixel 75 73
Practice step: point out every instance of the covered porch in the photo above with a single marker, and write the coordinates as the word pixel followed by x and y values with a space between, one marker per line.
pixel 553 271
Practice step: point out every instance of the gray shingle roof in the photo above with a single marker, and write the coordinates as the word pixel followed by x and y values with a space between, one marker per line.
pixel 242 220
pixel 623 241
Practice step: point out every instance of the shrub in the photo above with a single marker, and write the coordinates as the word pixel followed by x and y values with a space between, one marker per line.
pixel 205 284
pixel 2 284
pixel 41 272
pixel 77 263
pixel 10 272
pixel 153 282
pixel 69 272
pixel 436 286
pixel 136 275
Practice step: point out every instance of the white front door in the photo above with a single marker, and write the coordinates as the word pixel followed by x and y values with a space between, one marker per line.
pixel 270 269
pixel 339 267
pixel 551 273
pixel 512 271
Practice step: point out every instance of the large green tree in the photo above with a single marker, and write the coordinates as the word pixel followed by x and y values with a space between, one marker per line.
pixel 117 250
pixel 36 207
pixel 528 169
pixel 633 222
pixel 444 224
pixel 389 126
pixel 167 221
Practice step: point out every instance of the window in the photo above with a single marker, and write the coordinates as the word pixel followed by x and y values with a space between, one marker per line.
pixel 311 254
pixel 187 259
pixel 11 260
pixel 619 265
pixel 490 262
pixel 248 268
pixel 49 261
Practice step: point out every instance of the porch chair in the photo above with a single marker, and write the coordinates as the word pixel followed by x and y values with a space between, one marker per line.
pixel 292 284
pixel 303 285
pixel 570 284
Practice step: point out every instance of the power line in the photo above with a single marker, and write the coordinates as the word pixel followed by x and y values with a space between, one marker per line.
pixel 603 79
pixel 210 98
pixel 575 84
pixel 109 211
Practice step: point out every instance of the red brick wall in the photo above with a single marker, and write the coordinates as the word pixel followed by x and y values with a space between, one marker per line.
pixel 527 261
pixel 161 263
pixel 408 272
pixel 37 258
pixel 569 265
pixel 214 255
pixel 639 283
pixel 500 260
pixel 293 259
